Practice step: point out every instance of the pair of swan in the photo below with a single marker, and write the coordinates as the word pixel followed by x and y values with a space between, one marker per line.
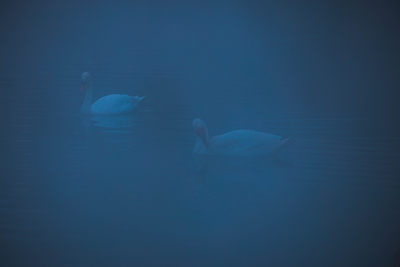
pixel 234 143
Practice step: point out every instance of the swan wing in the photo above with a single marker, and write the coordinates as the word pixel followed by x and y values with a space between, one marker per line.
pixel 245 142
pixel 114 104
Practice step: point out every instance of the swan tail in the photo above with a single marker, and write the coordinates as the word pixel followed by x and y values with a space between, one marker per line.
pixel 138 99
pixel 284 142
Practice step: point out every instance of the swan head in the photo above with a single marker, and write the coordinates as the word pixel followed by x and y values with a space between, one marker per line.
pixel 201 131
pixel 86 79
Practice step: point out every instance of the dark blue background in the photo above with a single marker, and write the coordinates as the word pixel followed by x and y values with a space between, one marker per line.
pixel 325 73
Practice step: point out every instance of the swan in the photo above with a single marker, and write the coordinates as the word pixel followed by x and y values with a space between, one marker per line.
pixel 106 105
pixel 236 143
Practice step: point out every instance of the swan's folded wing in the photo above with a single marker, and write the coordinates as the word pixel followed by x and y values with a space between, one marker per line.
pixel 245 142
pixel 113 104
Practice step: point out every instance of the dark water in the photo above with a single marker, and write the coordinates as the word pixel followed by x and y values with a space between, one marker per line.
pixel 123 191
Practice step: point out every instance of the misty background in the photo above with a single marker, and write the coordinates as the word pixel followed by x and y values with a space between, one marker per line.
pixel 323 72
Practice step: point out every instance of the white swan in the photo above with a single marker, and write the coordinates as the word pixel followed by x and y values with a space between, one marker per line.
pixel 106 105
pixel 236 143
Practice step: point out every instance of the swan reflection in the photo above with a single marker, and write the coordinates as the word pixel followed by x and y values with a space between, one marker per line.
pixel 124 123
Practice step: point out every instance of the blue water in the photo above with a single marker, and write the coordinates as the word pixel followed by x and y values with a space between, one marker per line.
pixel 125 191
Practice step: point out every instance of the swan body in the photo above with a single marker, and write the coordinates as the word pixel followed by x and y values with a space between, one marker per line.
pixel 236 143
pixel 107 105
pixel 115 104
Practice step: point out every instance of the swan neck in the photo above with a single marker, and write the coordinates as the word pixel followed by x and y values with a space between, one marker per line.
pixel 87 100
pixel 204 140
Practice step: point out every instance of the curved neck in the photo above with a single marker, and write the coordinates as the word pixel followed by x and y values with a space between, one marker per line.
pixel 202 141
pixel 87 100
pixel 202 136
